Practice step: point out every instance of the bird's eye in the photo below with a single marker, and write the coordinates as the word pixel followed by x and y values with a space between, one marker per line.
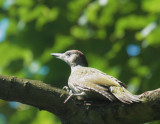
pixel 68 54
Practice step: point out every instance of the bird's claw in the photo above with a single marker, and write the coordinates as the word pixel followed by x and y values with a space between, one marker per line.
pixel 66 88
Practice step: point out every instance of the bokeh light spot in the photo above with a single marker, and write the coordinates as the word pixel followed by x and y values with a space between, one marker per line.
pixel 133 50
pixel 13 105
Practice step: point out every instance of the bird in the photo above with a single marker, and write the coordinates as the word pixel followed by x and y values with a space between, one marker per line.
pixel 92 84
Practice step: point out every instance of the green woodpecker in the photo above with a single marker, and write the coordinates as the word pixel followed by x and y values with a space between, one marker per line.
pixel 91 84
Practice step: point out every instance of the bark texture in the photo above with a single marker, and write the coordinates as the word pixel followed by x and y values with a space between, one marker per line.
pixel 46 97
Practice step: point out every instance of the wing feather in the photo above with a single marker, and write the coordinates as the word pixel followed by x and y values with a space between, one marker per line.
pixel 98 89
pixel 85 79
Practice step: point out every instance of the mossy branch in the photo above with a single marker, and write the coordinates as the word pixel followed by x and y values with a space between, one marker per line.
pixel 46 97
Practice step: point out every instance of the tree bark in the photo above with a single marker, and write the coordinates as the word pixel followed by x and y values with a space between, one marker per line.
pixel 46 97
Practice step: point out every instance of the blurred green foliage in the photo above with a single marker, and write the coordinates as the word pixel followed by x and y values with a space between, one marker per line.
pixel 119 37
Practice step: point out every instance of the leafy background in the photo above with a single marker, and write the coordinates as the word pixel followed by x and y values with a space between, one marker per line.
pixel 119 37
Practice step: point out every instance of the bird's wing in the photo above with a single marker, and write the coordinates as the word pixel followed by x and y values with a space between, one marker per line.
pixel 89 79
pixel 97 77
pixel 113 78
pixel 86 86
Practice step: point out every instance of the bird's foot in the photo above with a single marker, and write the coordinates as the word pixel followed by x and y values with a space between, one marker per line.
pixel 69 91
pixel 66 88
pixel 71 95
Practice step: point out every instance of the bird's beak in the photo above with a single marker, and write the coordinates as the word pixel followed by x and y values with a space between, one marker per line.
pixel 57 55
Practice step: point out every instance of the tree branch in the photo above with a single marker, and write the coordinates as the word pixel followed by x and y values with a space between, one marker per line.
pixel 45 97
pixel 34 93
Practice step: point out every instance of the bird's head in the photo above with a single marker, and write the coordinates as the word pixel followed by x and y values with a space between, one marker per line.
pixel 72 57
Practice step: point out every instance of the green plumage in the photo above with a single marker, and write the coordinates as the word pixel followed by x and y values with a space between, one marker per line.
pixel 92 84
pixel 92 81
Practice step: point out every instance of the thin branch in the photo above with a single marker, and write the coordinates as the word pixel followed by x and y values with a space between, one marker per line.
pixel 45 97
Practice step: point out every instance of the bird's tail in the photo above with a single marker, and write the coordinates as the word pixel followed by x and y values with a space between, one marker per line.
pixel 124 95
